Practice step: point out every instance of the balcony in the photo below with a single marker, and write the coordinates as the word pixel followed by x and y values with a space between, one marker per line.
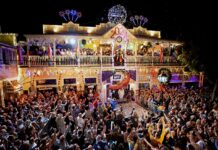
pixel 95 61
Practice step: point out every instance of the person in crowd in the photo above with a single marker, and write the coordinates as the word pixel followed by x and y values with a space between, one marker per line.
pixel 49 121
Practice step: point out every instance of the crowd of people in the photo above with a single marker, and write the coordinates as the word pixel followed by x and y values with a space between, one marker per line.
pixel 68 121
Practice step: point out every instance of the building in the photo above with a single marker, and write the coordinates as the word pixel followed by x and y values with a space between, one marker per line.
pixel 70 56
pixel 9 85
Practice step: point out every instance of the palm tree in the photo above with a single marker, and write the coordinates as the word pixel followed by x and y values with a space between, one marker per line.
pixel 188 57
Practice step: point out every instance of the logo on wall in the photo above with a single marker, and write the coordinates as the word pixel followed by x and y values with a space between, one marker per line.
pixel 122 83
pixel 119 34
pixel 164 75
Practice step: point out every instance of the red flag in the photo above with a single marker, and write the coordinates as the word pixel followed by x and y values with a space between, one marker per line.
pixel 161 54
pixel 158 47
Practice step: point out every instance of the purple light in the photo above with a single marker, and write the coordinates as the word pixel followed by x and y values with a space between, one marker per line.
pixel 176 79
pixel 193 78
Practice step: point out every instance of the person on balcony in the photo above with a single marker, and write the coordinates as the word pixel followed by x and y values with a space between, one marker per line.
pixel 119 61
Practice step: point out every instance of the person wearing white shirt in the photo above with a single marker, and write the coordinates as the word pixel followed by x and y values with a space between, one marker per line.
pixel 121 93
pixel 80 121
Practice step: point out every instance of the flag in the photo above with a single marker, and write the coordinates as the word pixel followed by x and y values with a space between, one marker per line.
pixel 20 54
pixel 158 47
pixel 161 54
pixel 49 51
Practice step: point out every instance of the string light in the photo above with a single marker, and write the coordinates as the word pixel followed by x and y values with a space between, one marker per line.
pixel 117 14
pixel 138 20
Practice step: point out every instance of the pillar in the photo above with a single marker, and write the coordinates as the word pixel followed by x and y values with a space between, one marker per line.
pixel 78 52
pixel 113 53
pixel 183 79
pixel 28 48
pixel 135 51
pixel 2 101
pixel 125 59
pixel 54 49
pixel 201 80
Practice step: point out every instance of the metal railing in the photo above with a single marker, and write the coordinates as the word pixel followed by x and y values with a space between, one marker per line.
pixel 107 61
pixel 66 61
pixel 95 61
pixel 41 61
pixel 90 60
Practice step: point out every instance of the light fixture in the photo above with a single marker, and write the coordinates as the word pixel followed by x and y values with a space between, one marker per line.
pixel 89 30
pixel 72 41
pixel 162 78
pixel 55 29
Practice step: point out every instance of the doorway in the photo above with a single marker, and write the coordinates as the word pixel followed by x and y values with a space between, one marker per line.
pixel 89 87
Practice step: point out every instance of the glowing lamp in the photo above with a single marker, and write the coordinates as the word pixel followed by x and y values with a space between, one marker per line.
pixel 89 30
pixel 55 30
pixel 152 33
pixel 72 41
pixel 162 78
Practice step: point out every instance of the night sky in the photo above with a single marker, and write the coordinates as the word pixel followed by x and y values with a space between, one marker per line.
pixel 177 20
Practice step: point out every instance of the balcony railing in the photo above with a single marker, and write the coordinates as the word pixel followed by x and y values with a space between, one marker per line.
pixel 90 61
pixel 41 61
pixel 144 60
pixel 107 61
pixel 95 61
pixel 66 61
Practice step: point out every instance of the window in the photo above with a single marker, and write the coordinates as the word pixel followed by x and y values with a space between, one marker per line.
pixel 70 81
pixel 90 80
pixel 46 82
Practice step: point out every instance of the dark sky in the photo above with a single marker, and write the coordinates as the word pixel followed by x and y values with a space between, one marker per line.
pixel 173 18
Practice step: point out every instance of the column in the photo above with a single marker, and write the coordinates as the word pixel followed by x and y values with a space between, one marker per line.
pixel 28 47
pixel 2 102
pixel 201 80
pixel 101 56
pixel 150 82
pixel 1 53
pixel 54 49
pixel 78 52
pixel 112 53
pixel 152 57
pixel 125 59
pixel 135 51
pixel 183 79
pixel 137 84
